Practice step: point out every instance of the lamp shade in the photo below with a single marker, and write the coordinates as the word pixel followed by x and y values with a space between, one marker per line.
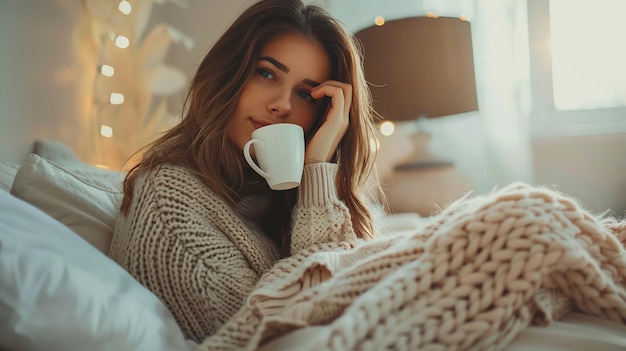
pixel 420 67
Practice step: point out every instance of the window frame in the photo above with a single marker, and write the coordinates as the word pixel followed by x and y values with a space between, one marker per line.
pixel 546 120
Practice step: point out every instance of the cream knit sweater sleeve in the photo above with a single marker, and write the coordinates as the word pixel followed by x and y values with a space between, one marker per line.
pixel 188 247
pixel 319 215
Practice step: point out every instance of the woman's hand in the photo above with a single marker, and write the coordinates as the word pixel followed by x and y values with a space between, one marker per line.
pixel 324 143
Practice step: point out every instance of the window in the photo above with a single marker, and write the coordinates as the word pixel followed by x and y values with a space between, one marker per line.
pixel 578 74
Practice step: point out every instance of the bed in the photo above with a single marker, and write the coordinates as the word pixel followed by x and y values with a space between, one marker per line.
pixel 59 291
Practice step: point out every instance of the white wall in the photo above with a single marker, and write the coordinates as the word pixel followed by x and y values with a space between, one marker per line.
pixel 40 72
pixel 204 21
pixel 593 168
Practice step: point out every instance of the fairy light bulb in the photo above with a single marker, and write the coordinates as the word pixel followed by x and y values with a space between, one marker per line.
pixel 379 20
pixel 107 71
pixel 122 42
pixel 387 128
pixel 125 7
pixel 106 131
pixel 116 99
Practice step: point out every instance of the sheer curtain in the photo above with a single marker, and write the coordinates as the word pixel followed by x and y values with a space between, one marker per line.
pixel 501 47
pixel 492 145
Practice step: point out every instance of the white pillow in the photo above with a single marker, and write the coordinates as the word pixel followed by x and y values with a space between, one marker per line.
pixel 55 151
pixel 7 174
pixel 58 293
pixel 83 197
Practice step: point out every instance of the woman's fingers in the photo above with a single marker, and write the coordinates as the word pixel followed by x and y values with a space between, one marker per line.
pixel 340 98
pixel 325 141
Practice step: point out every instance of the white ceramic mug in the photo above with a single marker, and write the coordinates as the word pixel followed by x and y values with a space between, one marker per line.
pixel 279 149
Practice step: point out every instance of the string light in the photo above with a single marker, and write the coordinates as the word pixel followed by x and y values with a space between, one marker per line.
pixel 122 42
pixel 387 128
pixel 379 20
pixel 106 131
pixel 107 71
pixel 125 7
pixel 109 100
pixel 116 99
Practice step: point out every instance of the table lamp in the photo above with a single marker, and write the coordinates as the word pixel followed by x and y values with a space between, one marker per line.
pixel 420 68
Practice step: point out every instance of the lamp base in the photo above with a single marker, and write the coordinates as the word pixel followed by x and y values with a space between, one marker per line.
pixel 424 191
pixel 422 157
pixel 423 165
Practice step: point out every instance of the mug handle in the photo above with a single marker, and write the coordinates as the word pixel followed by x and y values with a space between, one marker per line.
pixel 246 154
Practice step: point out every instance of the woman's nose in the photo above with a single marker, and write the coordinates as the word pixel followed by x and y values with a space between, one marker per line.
pixel 280 104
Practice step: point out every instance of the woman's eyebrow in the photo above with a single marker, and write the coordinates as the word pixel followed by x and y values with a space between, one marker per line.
pixel 285 69
pixel 276 63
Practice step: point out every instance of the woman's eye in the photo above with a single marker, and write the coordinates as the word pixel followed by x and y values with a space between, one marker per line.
pixel 305 95
pixel 265 73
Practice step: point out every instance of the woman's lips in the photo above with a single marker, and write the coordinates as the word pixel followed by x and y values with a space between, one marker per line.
pixel 258 124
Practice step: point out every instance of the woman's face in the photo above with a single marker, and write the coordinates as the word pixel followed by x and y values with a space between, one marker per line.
pixel 278 90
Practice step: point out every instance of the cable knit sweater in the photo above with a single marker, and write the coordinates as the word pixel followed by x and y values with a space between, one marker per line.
pixel 202 257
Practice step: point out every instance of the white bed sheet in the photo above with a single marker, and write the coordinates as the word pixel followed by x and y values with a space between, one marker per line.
pixel 574 332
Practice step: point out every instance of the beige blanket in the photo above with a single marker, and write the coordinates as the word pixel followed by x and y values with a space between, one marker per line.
pixel 473 278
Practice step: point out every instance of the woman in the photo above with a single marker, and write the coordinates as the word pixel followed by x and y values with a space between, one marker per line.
pixel 204 232
pixel 198 227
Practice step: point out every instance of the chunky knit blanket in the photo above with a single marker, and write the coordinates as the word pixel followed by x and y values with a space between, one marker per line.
pixel 473 277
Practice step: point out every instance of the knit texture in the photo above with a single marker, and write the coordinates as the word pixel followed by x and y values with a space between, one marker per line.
pixel 479 273
pixel 200 256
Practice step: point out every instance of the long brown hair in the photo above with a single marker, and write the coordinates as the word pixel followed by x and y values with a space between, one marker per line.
pixel 199 141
